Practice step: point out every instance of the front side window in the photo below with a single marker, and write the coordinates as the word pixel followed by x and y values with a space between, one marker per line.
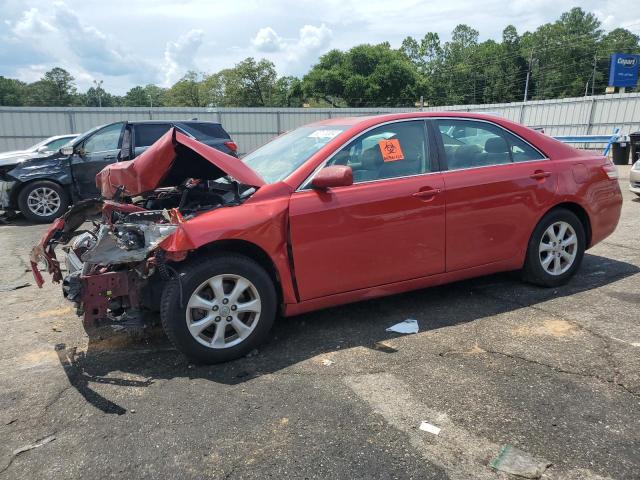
pixel 279 158
pixel 104 140
pixel 469 144
pixel 389 151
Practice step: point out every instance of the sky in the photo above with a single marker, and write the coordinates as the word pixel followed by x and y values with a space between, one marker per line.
pixel 134 42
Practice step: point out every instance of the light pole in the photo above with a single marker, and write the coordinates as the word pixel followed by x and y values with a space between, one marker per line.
pixel 98 84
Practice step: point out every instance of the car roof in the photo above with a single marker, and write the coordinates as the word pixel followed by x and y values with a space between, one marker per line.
pixel 384 117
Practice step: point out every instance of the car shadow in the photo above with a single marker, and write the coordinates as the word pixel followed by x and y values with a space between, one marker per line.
pixel 296 339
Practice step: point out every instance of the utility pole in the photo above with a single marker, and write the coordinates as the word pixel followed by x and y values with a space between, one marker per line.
pixel 421 102
pixel 150 100
pixel 526 85
pixel 593 79
pixel 98 85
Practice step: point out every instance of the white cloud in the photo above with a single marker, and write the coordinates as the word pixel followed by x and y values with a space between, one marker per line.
pixel 315 37
pixel 32 23
pixel 97 52
pixel 129 42
pixel 267 40
pixel 292 55
pixel 179 56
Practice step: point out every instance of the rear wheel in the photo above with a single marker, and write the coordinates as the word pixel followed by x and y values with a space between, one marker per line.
pixel 43 201
pixel 222 308
pixel 555 249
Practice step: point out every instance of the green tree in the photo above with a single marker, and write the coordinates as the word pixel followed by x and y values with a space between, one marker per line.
pixel 188 91
pixel 288 92
pixel 251 83
pixel 12 92
pixel 55 89
pixel 147 96
pixel 364 75
pixel 563 53
pixel 98 96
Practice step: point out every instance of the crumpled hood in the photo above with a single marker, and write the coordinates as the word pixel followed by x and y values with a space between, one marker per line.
pixel 174 158
pixel 19 157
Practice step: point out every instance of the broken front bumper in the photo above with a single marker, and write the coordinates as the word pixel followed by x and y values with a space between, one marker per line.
pixel 5 194
pixel 107 268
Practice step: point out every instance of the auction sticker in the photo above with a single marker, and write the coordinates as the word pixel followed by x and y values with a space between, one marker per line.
pixel 391 150
pixel 324 133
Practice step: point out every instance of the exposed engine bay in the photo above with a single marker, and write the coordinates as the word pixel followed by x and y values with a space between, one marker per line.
pixel 115 265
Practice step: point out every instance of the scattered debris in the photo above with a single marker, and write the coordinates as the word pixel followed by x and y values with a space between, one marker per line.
pixel 132 410
pixel 17 286
pixel 409 325
pixel 516 462
pixel 327 363
pixel 384 347
pixel 427 427
pixel 39 443
pixel 56 329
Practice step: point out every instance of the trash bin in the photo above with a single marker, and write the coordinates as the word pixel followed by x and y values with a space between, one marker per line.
pixel 620 153
pixel 635 146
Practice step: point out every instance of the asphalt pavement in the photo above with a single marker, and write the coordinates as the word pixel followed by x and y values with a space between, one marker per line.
pixel 554 373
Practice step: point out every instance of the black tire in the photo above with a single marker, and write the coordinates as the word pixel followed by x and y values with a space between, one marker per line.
pixel 34 216
pixel 533 271
pixel 192 275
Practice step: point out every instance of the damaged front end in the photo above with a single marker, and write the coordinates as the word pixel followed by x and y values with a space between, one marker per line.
pixel 111 267
pixel 115 264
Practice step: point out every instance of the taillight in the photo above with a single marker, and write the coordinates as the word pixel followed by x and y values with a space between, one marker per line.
pixel 611 170
pixel 231 146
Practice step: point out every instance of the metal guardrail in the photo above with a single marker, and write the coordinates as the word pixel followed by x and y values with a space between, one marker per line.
pixel 609 140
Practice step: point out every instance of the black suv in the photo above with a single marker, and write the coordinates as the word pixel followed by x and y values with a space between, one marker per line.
pixel 42 188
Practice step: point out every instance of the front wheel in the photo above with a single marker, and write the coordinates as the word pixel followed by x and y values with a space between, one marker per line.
pixel 220 309
pixel 43 201
pixel 555 249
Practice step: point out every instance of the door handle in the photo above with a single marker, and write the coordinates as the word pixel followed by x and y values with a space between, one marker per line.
pixel 426 194
pixel 109 157
pixel 539 175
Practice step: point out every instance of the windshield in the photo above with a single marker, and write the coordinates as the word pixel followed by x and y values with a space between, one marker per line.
pixel 279 158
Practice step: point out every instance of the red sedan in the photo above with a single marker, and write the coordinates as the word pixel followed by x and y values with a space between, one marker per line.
pixel 333 212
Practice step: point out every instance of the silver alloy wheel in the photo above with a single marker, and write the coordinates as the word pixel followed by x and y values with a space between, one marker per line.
pixel 43 201
pixel 558 248
pixel 223 311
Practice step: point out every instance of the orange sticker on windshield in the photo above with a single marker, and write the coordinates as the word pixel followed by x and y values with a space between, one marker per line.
pixel 391 150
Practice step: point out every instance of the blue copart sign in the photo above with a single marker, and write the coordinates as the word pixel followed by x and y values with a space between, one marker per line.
pixel 623 71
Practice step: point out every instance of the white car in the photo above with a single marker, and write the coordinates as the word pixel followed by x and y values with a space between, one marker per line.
pixel 48 145
pixel 634 178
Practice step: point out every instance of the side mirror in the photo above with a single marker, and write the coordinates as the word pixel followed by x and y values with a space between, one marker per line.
pixel 333 176
pixel 42 149
pixel 66 151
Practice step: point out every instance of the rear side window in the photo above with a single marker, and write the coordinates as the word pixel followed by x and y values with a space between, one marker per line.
pixel 469 144
pixel 148 134
pixel 203 131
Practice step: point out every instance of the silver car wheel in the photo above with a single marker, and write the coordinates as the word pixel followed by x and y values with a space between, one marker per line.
pixel 558 248
pixel 223 311
pixel 43 201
